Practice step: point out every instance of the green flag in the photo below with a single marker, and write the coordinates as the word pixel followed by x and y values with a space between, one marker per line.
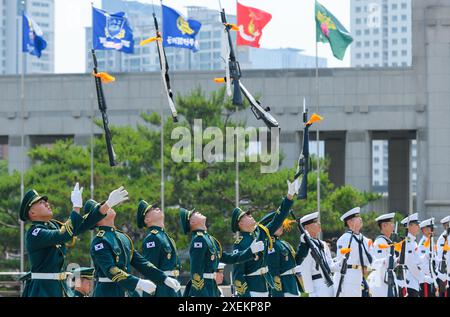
pixel 330 30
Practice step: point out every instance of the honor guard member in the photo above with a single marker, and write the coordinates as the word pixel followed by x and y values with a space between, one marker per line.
pixel 281 262
pixel 219 277
pixel 382 281
pixel 46 241
pixel 205 253
pixel 442 259
pixel 312 275
pixel 83 281
pixel 414 275
pixel 359 250
pixel 252 279
pixel 113 254
pixel 158 247
pixel 427 255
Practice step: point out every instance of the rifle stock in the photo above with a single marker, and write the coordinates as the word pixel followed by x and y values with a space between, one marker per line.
pixel 343 269
pixel 102 107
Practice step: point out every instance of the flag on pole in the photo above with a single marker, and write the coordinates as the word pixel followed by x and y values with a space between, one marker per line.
pixel 32 37
pixel 251 22
pixel 179 31
pixel 111 31
pixel 330 30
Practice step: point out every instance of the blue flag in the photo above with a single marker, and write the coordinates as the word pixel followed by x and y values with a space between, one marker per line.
pixel 179 32
pixel 32 40
pixel 111 31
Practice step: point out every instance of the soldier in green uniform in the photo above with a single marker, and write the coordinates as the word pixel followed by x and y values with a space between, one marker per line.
pixel 205 254
pixel 83 277
pixel 281 262
pixel 158 247
pixel 252 279
pixel 113 254
pixel 46 241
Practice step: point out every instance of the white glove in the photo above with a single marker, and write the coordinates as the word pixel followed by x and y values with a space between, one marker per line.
pixel 257 246
pixel 76 196
pixel 293 187
pixel 172 283
pixel 146 286
pixel 297 269
pixel 312 294
pixel 117 196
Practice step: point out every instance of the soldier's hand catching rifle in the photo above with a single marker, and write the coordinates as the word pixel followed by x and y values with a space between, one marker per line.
pixel 293 188
pixel 117 196
pixel 172 283
pixel 146 286
pixel 257 246
pixel 77 197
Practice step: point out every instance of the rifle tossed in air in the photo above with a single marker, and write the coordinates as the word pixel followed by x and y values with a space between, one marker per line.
pixel 99 77
pixel 164 65
pixel 232 77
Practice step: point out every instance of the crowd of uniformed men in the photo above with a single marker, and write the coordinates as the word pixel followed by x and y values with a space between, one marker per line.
pixel 263 263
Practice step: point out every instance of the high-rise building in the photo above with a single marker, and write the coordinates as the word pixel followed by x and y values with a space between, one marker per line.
pixel 42 12
pixel 381 30
pixel 211 43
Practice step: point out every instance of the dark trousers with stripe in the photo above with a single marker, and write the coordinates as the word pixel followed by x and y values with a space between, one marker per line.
pixel 427 290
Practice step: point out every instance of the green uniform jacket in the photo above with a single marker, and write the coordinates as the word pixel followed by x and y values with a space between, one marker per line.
pixel 46 246
pixel 257 283
pixel 281 259
pixel 160 249
pixel 205 254
pixel 113 254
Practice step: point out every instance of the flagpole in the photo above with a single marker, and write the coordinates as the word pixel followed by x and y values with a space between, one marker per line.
pixel 22 141
pixel 162 156
pixel 317 131
pixel 92 158
pixel 237 154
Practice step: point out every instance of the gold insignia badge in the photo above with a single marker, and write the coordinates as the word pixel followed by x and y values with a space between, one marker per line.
pixel 154 231
pixel 212 257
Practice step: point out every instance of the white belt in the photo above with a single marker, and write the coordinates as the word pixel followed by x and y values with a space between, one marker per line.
pixel 174 273
pixel 104 280
pixel 260 271
pixel 209 275
pixel 288 272
pixel 50 276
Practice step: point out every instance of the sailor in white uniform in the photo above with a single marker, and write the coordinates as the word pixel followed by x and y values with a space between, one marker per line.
pixel 312 276
pixel 427 255
pixel 382 281
pixel 356 249
pixel 442 258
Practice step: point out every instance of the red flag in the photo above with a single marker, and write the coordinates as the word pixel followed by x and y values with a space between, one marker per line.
pixel 251 22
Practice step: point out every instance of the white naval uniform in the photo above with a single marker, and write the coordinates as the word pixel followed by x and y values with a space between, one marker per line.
pixel 351 286
pixel 312 278
pixel 440 249
pixel 414 275
pixel 424 256
pixel 377 279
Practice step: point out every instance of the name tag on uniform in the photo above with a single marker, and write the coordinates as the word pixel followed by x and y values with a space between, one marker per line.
pixel 36 231
pixel 98 246
pixel 379 251
pixel 150 244
pixel 198 245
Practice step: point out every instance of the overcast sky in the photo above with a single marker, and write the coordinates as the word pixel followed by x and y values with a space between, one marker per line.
pixel 292 25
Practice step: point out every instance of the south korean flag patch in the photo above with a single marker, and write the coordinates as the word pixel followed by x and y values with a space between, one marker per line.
pixel 98 246
pixel 150 244
pixel 36 231
pixel 198 245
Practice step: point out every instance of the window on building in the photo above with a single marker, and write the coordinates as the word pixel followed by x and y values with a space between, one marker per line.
pixel 366 43
pixel 404 52
pixel 376 54
pixel 358 55
pixel 205 35
pixel 404 17
pixel 366 32
pixel 394 6
pixel 404 5
pixel 358 21
pixel 358 9
pixel 376 43
pixel 358 32
pixel 376 31
pixel 394 53
pixel 394 41
pixel 394 18
pixel 394 29
pixel 404 29
pixel 376 159
pixel 366 55
pixel 358 44
pixel 394 64
pixel 376 171
pixel 404 41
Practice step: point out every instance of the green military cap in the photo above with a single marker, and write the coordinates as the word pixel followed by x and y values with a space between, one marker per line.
pixel 143 208
pixel 267 218
pixel 28 200
pixel 185 215
pixel 84 272
pixel 235 217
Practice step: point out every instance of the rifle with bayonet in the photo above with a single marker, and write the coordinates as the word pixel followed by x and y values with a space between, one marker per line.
pixel 164 65
pixel 443 284
pixel 344 267
pixel 102 107
pixel 233 76
pixel 401 273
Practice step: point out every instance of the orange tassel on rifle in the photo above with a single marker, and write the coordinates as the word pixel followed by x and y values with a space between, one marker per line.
pixel 345 250
pixel 105 77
